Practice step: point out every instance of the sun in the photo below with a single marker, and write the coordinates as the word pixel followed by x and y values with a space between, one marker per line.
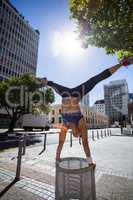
pixel 66 44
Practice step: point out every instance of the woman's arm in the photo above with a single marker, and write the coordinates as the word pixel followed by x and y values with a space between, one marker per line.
pixel 58 88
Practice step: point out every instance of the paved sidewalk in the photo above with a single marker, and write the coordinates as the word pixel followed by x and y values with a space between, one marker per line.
pixel 114 174
pixel 16 193
pixel 115 187
pixel 25 188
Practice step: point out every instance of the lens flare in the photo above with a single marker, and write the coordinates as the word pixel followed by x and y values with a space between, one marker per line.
pixel 66 44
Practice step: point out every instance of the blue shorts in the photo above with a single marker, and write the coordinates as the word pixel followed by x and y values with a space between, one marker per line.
pixel 71 117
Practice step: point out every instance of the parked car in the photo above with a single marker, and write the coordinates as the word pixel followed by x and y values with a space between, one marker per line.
pixel 115 125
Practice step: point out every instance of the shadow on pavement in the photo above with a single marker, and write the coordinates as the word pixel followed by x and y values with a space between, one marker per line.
pixel 8 187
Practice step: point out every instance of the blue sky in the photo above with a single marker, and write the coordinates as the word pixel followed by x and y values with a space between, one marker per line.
pixel 52 17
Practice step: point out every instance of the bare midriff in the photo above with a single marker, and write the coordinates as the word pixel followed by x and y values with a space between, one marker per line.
pixel 70 105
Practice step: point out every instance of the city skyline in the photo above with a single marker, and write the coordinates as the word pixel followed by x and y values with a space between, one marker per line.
pixel 52 18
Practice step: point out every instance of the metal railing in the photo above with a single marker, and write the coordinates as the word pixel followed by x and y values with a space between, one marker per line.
pixel 18 169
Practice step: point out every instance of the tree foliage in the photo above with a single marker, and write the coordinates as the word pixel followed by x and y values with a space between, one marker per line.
pixel 105 23
pixel 22 95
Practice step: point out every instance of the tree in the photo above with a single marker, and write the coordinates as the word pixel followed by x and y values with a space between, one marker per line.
pixel 23 95
pixel 105 23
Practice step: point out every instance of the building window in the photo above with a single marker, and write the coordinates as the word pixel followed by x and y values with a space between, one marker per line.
pixel 60 120
pixel 53 120
pixel 53 112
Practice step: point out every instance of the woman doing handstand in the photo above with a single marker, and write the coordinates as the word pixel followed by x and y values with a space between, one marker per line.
pixel 71 113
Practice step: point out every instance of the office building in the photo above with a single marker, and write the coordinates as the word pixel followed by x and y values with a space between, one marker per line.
pixel 18 43
pixel 130 108
pixel 130 113
pixel 116 100
pixel 18 47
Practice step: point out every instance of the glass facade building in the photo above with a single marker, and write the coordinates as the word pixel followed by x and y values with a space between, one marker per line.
pixel 86 100
pixel 18 43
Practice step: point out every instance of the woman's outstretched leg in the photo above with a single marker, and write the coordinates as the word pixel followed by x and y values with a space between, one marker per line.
pixel 84 135
pixel 87 86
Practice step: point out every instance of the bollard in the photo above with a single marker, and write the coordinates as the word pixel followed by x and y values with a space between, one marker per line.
pixel 97 134
pixel 71 139
pixel 101 134
pixel 105 132
pixel 19 158
pixel 93 137
pixel 110 133
pixel 75 179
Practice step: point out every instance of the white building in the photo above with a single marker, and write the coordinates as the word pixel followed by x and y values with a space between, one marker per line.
pixel 99 106
pixel 55 114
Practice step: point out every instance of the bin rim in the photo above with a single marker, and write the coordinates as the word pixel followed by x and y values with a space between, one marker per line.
pixel 74 171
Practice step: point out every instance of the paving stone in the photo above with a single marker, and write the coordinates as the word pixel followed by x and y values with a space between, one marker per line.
pixel 113 187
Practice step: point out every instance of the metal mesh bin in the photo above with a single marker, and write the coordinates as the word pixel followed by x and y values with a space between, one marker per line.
pixel 75 180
